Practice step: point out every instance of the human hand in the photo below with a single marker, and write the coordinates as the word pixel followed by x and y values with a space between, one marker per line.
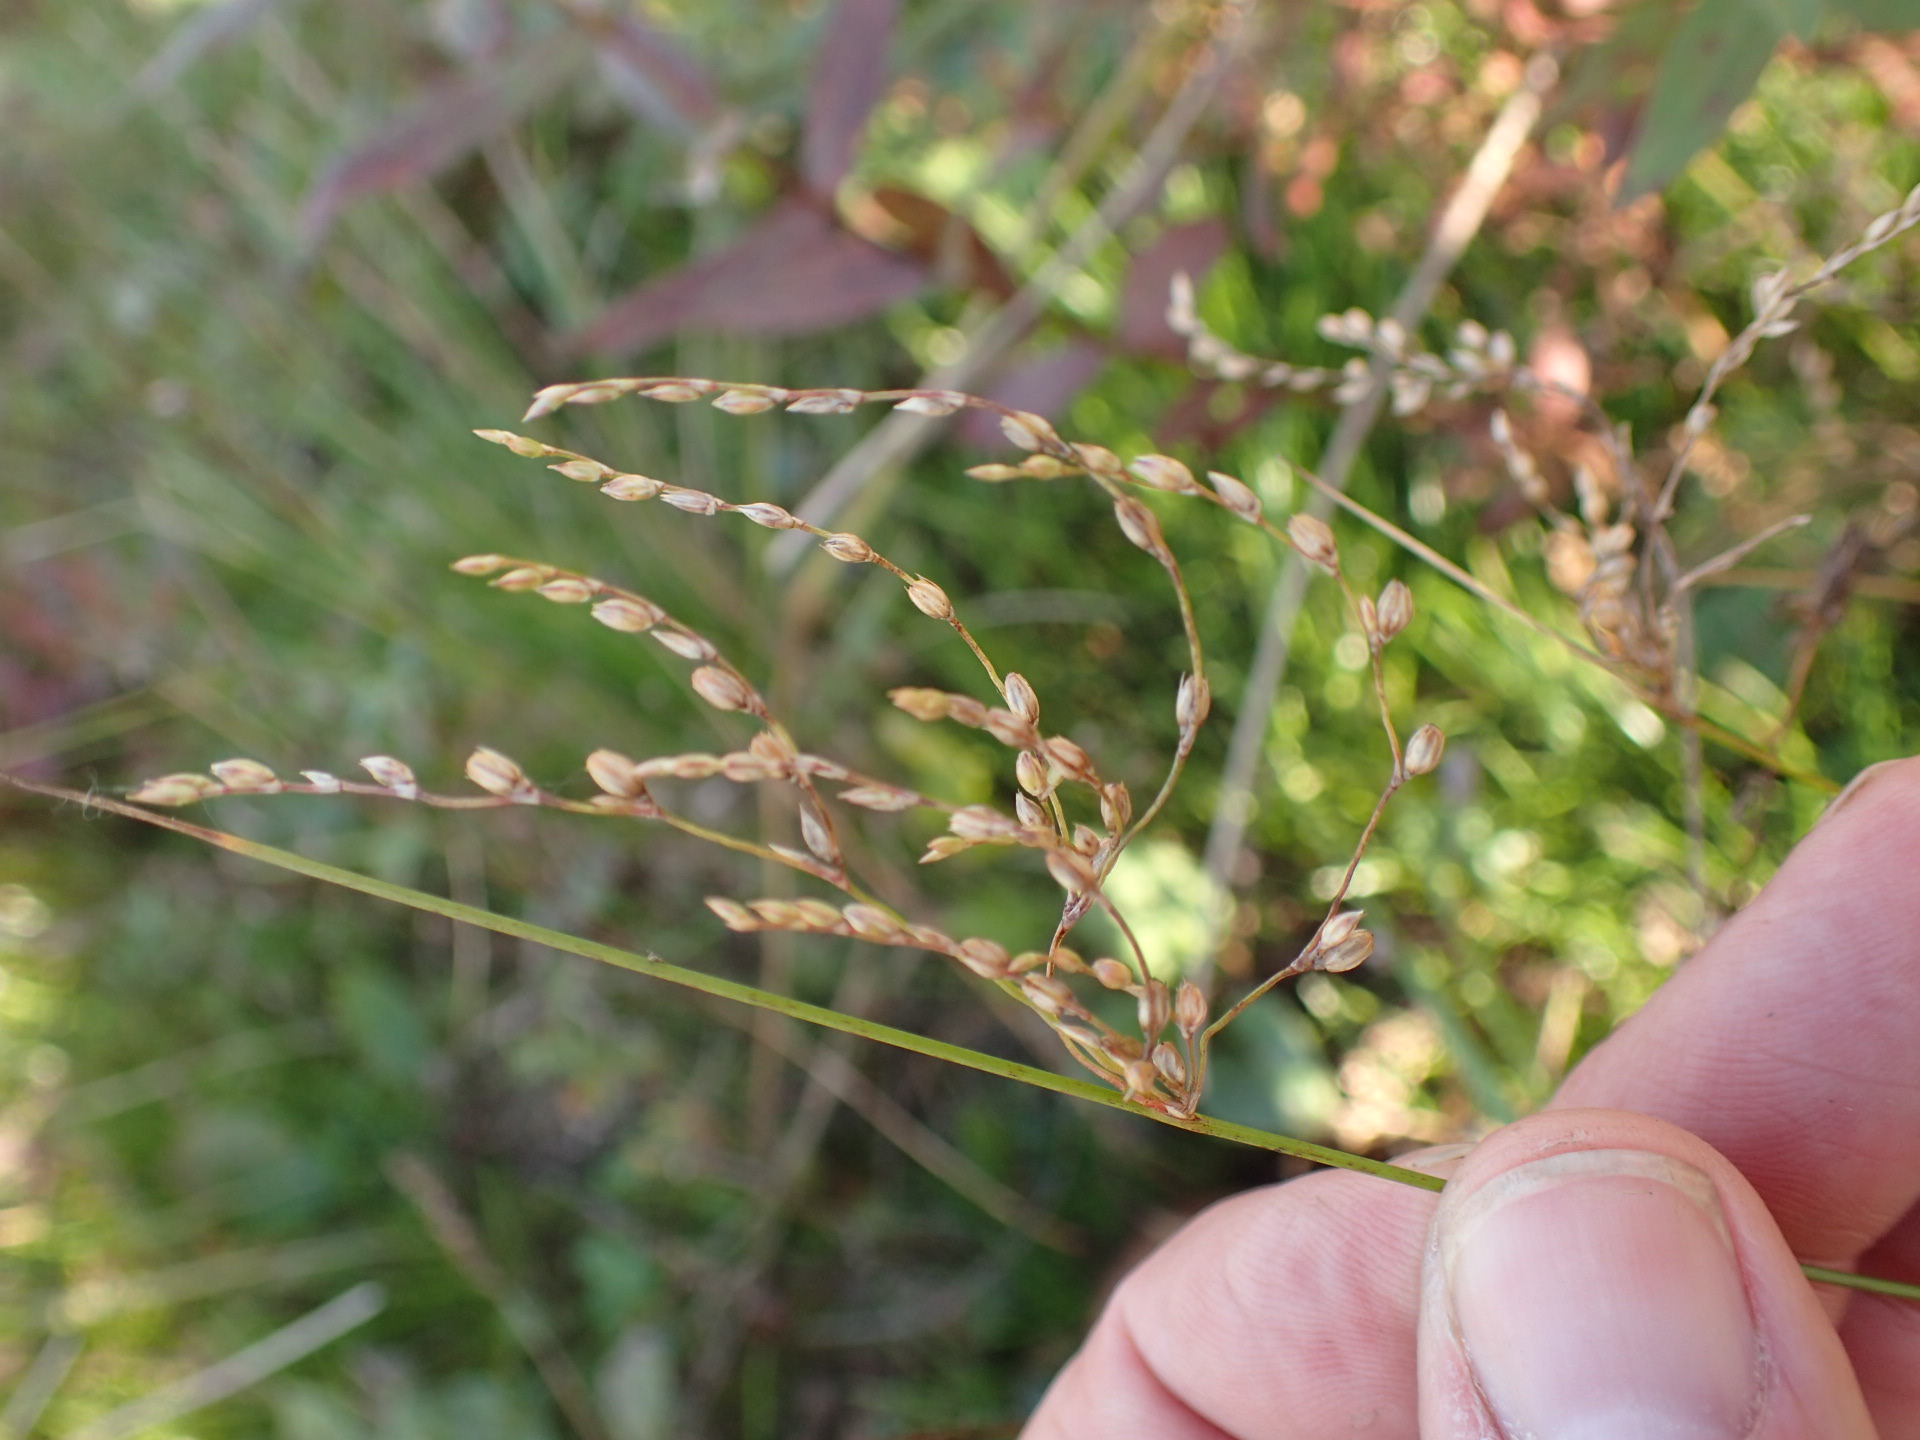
pixel 1621 1266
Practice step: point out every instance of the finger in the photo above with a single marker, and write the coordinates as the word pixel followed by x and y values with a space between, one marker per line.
pixel 1284 1312
pixel 1882 1334
pixel 1600 1274
pixel 1788 1044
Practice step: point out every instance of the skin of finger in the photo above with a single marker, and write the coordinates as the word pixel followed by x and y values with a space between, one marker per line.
pixel 1738 1047
pixel 1806 1386
pixel 1882 1334
pixel 1789 1043
pixel 1285 1313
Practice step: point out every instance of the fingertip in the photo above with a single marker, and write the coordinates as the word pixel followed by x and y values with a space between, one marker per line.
pixel 1604 1273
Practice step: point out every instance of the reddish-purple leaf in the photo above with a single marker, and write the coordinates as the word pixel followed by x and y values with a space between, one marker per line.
pixel 1045 384
pixel 794 272
pixel 849 77
pixel 650 72
pixel 1143 328
pixel 454 118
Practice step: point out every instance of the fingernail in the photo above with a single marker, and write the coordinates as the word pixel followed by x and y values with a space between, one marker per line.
pixel 1854 787
pixel 1435 1159
pixel 1596 1296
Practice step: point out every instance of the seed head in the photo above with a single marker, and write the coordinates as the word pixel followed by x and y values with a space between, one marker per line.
pixel 1395 609
pixel 323 782
pixel 982 822
pixel 586 471
pixel 742 402
pixel 870 922
pixel 1349 953
pixel 1424 748
pixel 1139 524
pixel 722 689
pixel 684 643
pixel 929 599
pixel 777 750
pixel 518 444
pixel 523 577
pixel 631 487
pixel 984 957
pixel 496 774
pixel 1112 973
pixel 780 914
pixel 826 402
pixel 1010 729
pixel 817 832
pixel 1338 929
pixel 479 564
pixel 879 797
pixel 774 517
pixel 1163 472
pixel 672 392
pixel 175 790
pixel 1141 1078
pixel 1236 495
pixel 694 765
pixel 920 702
pixel 567 590
pixel 932 402
pixel 396 775
pixel 1116 806
pixel 1192 702
pixel 633 616
pixel 694 502
pixel 1098 460
pixel 1189 1007
pixel 1070 871
pixel 1028 431
pixel 817 914
pixel 1048 993
pixel 1069 759
pixel 848 547
pixel 1031 771
pixel 1020 697
pixel 1167 1061
pixel 732 913
pixel 1156 1009
pixel 994 472
pixel 743 767
pixel 943 847
pixel 616 774
pixel 1312 537
pixel 245 775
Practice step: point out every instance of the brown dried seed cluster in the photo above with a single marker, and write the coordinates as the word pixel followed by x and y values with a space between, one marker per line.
pixel 1163 1064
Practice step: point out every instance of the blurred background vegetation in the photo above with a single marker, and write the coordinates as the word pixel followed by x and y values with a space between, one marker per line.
pixel 264 264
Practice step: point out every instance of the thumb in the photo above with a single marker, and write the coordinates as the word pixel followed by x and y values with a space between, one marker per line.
pixel 1600 1275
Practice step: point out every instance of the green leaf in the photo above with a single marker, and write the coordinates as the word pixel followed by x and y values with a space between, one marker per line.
pixel 1712 65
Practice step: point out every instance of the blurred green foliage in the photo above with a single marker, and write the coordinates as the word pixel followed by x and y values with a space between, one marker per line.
pixel 239 462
